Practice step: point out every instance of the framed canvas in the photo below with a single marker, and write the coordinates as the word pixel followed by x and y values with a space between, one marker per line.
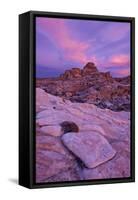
pixel 76 99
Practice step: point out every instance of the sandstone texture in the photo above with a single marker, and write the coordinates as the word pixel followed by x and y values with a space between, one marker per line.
pixel 91 147
pixel 79 141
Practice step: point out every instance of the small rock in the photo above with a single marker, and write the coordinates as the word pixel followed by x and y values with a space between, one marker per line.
pixel 68 126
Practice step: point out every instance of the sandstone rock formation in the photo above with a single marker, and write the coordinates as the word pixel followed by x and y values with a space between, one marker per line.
pixel 79 141
pixel 89 68
pixel 91 147
pixel 88 85
pixel 73 73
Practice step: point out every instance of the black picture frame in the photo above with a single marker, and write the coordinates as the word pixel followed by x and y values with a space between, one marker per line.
pixel 27 98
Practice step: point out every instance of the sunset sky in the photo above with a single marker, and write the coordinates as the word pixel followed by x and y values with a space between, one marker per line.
pixel 66 43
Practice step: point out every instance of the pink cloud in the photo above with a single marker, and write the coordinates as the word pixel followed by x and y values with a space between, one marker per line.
pixel 124 72
pixel 58 32
pixel 120 60
pixel 73 49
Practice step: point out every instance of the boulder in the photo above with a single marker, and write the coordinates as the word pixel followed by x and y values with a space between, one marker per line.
pixel 91 147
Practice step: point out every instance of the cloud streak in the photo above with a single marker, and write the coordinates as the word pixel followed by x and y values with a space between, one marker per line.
pixel 120 60
pixel 58 32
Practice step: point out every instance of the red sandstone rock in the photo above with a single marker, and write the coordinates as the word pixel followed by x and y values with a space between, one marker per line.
pixel 89 68
pixel 91 86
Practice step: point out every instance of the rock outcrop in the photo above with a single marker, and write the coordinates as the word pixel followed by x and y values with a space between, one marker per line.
pixel 89 68
pixel 88 85
pixel 78 141
pixel 73 73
